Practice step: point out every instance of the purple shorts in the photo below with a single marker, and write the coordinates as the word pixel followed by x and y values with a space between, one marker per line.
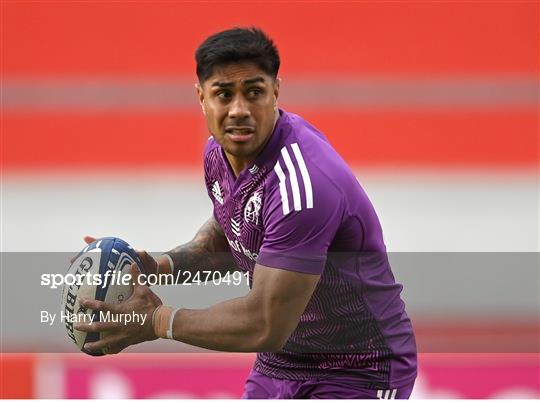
pixel 259 386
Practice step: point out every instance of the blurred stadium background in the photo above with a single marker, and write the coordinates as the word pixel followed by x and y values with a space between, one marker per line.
pixel 434 104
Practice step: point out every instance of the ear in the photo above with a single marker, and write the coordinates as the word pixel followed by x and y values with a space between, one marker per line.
pixel 277 85
pixel 200 96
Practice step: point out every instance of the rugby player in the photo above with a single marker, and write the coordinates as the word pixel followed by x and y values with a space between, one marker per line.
pixel 324 312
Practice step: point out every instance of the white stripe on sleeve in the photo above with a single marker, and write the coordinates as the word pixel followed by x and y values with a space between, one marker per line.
pixel 393 396
pixel 294 180
pixel 282 189
pixel 305 175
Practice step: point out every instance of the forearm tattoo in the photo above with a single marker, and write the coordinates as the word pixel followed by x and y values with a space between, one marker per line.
pixel 209 250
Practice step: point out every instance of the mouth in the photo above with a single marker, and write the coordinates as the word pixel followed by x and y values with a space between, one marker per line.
pixel 239 133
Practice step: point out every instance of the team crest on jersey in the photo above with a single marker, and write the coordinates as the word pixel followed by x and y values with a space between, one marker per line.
pixel 216 191
pixel 253 208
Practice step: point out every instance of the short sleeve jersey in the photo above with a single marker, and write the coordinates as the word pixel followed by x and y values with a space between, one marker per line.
pixel 299 207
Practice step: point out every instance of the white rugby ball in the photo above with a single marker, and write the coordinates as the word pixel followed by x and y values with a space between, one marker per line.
pixel 97 271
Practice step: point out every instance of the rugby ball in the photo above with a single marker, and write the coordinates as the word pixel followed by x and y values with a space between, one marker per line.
pixel 96 273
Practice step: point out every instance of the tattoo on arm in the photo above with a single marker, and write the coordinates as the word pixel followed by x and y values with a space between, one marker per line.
pixel 209 250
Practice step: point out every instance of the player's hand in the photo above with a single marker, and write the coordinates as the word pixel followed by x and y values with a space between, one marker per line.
pixel 120 335
pixel 150 265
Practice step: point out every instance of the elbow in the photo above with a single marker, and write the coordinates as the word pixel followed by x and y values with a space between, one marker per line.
pixel 270 345
pixel 272 341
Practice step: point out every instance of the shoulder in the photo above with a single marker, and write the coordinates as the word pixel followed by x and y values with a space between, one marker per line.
pixel 213 172
pixel 211 148
pixel 318 154
pixel 307 173
pixel 297 183
pixel 212 158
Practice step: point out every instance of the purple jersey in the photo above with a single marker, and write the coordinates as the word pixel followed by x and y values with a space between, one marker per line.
pixel 299 207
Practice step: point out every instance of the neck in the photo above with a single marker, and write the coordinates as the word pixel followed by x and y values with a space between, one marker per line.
pixel 240 163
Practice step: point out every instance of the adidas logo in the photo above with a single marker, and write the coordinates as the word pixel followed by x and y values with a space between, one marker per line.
pixel 235 226
pixel 216 191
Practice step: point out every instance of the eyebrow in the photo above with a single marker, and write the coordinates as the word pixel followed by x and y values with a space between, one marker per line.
pixel 249 81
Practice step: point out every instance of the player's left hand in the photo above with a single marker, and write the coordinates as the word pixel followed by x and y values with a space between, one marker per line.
pixel 120 335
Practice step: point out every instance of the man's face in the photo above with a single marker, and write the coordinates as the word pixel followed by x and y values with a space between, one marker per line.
pixel 240 104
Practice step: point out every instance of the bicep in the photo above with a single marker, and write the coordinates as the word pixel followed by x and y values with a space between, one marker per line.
pixel 211 237
pixel 209 250
pixel 281 297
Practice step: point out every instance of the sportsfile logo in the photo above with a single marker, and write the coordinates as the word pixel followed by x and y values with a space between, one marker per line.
pixel 216 191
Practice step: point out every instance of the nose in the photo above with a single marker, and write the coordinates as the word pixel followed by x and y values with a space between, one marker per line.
pixel 239 108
